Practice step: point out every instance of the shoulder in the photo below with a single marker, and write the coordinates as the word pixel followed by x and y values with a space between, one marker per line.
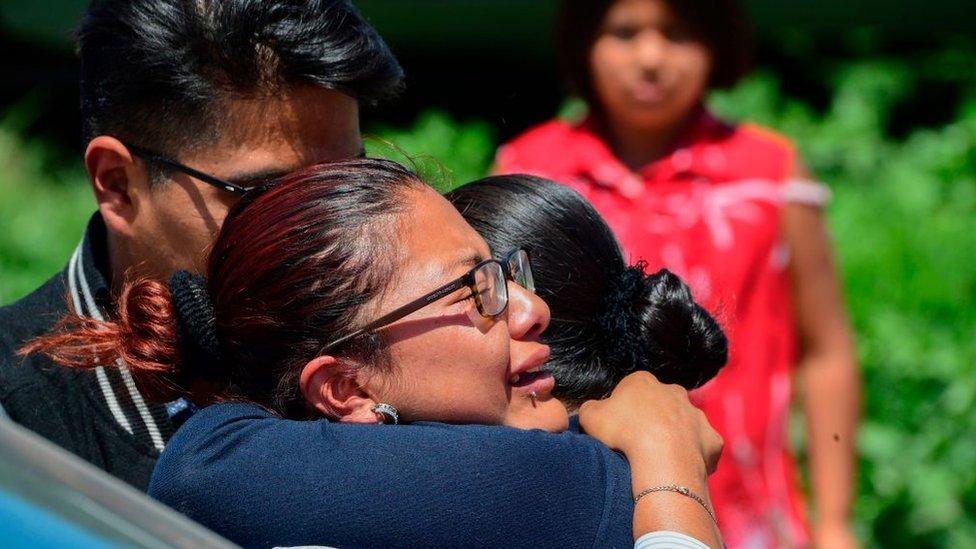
pixel 768 139
pixel 544 147
pixel 425 475
pixel 27 318
pixel 543 133
pixel 53 401
pixel 214 429
pixel 37 311
pixel 754 148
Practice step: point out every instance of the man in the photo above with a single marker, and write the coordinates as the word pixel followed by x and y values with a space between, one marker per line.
pixel 235 89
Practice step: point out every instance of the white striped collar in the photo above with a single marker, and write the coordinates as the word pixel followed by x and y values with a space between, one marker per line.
pixel 87 287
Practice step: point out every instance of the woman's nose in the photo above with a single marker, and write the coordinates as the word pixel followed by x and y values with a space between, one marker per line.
pixel 650 49
pixel 528 314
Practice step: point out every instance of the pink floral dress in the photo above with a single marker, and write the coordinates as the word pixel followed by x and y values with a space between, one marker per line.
pixel 711 212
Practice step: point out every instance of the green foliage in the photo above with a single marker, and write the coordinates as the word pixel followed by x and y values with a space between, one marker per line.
pixel 43 209
pixel 904 220
pixel 446 153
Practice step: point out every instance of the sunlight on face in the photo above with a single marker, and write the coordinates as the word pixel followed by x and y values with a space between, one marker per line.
pixel 267 135
pixel 450 364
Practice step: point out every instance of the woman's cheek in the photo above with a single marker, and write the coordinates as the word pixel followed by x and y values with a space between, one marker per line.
pixel 495 369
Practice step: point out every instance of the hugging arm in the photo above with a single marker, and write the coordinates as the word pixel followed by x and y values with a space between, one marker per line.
pixel 671 448
pixel 259 480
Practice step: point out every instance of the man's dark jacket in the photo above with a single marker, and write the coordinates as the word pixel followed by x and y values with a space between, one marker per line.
pixel 98 415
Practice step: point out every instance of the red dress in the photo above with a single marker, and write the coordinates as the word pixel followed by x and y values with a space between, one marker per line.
pixel 711 211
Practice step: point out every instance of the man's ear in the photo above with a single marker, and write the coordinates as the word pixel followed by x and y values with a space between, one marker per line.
pixel 117 180
pixel 328 385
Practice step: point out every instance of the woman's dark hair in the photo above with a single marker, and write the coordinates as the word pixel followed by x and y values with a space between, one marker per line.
pixel 720 24
pixel 290 271
pixel 608 319
pixel 157 71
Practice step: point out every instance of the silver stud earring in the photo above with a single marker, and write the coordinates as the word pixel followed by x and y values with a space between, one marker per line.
pixel 388 412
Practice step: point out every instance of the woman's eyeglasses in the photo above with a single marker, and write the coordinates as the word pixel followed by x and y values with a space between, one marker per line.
pixel 486 280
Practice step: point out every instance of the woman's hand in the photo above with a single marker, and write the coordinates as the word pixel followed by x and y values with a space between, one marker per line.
pixel 643 415
pixel 667 442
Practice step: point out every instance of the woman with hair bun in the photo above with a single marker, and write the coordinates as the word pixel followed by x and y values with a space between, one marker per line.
pixel 608 319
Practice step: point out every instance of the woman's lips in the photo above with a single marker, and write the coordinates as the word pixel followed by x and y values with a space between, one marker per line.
pixel 647 92
pixel 528 376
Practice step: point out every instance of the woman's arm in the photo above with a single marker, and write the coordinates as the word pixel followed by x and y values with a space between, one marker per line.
pixel 827 370
pixel 264 481
pixel 667 442
pixel 259 480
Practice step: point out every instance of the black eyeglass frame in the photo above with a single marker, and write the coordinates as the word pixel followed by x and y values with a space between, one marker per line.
pixel 151 156
pixel 467 279
pixel 222 184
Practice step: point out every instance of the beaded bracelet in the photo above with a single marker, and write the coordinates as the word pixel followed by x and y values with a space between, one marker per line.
pixel 678 490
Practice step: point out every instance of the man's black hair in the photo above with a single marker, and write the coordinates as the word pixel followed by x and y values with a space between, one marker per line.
pixel 156 71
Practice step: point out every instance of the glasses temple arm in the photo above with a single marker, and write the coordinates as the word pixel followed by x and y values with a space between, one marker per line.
pixel 403 311
pixel 206 178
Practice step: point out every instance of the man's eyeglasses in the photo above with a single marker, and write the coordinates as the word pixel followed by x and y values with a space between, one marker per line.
pixel 222 184
pixel 150 156
pixel 486 280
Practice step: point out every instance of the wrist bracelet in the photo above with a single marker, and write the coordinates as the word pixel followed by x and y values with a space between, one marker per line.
pixel 678 490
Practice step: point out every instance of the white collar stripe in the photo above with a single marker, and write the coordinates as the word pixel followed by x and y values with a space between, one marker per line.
pixel 72 287
pixel 140 403
pixel 130 385
pixel 100 375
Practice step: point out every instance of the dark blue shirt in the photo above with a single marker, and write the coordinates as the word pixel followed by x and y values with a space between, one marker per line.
pixel 263 481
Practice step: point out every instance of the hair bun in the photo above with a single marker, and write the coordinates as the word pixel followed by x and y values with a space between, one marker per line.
pixel 620 319
pixel 195 317
pixel 683 343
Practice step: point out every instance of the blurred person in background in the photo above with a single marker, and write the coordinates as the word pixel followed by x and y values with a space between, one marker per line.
pixel 237 90
pixel 732 210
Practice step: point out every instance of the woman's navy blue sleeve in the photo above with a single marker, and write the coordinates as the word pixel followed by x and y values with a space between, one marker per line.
pixel 262 481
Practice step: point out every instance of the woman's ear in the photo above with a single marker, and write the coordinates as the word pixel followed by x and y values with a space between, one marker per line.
pixel 330 386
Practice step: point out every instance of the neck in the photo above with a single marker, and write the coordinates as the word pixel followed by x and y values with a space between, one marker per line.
pixel 636 145
pixel 120 261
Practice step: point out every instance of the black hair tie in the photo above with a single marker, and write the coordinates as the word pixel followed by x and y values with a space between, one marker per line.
pixel 621 318
pixel 195 318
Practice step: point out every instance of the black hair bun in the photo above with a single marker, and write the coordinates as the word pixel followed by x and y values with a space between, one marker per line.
pixel 654 324
pixel 682 342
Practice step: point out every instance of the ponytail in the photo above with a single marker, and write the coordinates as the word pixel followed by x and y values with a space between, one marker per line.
pixel 143 335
